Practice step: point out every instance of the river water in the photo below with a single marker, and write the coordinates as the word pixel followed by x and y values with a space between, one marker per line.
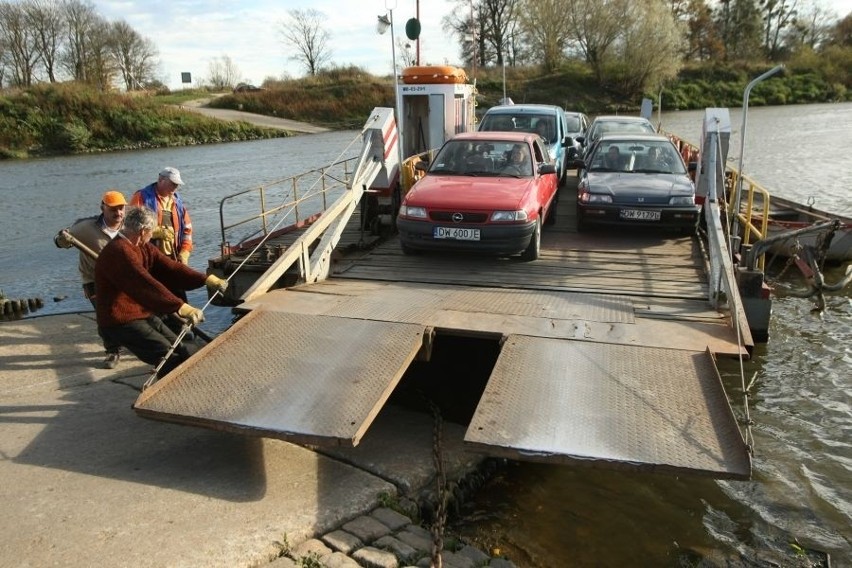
pixel 554 516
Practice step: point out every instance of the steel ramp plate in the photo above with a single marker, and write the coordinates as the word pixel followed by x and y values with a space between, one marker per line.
pixel 309 379
pixel 616 406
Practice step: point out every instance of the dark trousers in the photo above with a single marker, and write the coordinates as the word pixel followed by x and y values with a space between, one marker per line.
pixel 89 291
pixel 150 339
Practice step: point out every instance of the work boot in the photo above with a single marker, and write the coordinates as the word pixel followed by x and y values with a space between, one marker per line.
pixel 111 361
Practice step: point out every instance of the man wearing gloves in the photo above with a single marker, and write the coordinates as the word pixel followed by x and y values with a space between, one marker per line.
pixel 133 279
pixel 93 233
pixel 173 232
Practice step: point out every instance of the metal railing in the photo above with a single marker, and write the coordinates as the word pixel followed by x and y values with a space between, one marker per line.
pixel 297 198
pixel 753 222
pixel 746 216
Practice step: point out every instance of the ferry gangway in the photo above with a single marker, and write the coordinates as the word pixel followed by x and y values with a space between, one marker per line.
pixel 607 344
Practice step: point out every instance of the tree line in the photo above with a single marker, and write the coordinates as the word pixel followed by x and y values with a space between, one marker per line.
pixel 630 46
pixel 59 40
pixel 639 45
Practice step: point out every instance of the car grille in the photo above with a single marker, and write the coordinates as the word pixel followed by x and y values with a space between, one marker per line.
pixel 447 216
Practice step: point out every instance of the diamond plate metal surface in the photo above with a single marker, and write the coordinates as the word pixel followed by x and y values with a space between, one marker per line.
pixel 543 303
pixel 306 378
pixel 419 304
pixel 616 405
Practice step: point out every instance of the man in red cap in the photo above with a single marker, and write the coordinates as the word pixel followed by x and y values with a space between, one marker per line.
pixel 90 235
pixel 173 233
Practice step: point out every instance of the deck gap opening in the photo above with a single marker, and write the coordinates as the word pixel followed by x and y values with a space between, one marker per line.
pixel 453 379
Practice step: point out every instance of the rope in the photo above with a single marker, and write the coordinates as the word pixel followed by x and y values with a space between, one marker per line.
pixel 186 326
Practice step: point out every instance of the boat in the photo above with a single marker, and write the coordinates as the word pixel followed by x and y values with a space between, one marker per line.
pixel 766 218
pixel 786 216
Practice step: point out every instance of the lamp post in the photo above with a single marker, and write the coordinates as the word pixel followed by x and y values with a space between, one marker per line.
pixel 739 189
pixel 386 22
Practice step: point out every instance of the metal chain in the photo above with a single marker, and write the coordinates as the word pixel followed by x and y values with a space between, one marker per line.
pixel 791 259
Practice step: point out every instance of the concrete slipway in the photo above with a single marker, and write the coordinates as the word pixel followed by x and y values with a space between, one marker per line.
pixel 84 481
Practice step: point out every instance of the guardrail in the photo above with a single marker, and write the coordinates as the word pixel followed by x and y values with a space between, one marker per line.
pixel 754 221
pixel 298 198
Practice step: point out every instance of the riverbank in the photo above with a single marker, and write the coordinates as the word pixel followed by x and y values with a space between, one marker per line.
pixel 86 481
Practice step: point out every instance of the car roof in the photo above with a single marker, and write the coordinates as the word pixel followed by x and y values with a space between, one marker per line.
pixel 633 137
pixel 496 135
pixel 621 118
pixel 522 108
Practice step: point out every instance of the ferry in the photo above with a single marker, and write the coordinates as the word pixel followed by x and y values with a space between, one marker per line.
pixel 605 345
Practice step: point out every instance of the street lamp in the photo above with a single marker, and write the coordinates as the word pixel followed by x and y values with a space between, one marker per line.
pixel 384 23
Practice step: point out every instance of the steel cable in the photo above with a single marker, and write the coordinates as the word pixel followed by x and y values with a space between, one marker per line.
pixel 188 325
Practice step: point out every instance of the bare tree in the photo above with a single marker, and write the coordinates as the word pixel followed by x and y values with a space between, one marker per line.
pixel 841 34
pixel 408 57
pixel 778 15
pixel 47 24
pixel 102 68
pixel 134 55
pixel 304 33
pixel 501 17
pixel 80 21
pixel 484 29
pixel 20 52
pixel 461 23
pixel 222 73
pixel 812 28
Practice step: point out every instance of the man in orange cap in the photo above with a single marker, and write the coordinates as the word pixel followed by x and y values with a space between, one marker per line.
pixel 91 235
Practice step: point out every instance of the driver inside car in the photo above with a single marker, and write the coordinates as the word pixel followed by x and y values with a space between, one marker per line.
pixel 518 162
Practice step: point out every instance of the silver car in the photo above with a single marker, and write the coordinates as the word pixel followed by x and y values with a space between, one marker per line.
pixel 616 124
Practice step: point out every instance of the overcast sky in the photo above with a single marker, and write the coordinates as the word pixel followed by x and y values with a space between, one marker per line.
pixel 190 33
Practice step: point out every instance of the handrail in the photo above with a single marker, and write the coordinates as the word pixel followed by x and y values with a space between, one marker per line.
pixel 332 177
pixel 746 216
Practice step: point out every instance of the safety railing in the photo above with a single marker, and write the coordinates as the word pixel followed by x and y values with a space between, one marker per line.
pixel 754 216
pixel 297 198
pixel 750 189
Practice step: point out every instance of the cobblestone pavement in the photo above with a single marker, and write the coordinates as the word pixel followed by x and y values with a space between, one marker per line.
pixel 382 539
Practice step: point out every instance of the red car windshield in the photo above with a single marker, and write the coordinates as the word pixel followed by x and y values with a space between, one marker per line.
pixel 483 157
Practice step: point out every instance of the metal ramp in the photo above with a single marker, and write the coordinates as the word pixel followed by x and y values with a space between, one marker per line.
pixel 278 375
pixel 615 406
pixel 580 379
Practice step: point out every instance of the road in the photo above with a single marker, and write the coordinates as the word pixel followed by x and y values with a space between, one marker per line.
pixel 200 106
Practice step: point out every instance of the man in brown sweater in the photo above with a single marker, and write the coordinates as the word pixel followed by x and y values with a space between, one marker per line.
pixel 133 279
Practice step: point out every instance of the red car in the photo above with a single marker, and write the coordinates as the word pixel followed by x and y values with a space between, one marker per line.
pixel 484 192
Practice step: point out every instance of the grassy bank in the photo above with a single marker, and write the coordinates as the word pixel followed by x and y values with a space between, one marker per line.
pixel 343 97
pixel 70 119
